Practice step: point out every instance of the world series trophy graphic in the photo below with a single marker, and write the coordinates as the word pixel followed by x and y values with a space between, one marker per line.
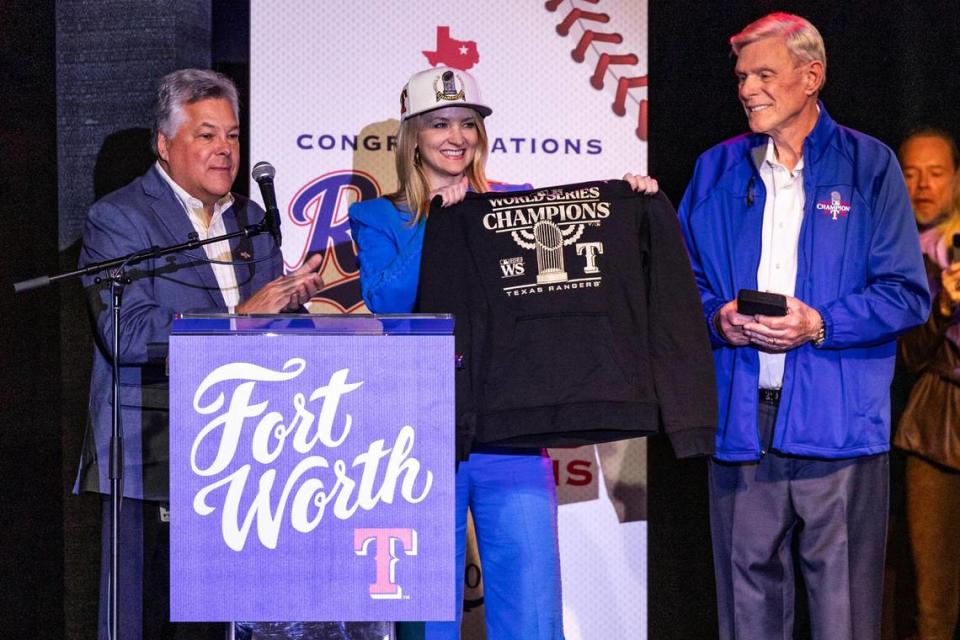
pixel 548 239
pixel 449 91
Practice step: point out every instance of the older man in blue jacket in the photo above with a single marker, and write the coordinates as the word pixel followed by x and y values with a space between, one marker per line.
pixel 819 213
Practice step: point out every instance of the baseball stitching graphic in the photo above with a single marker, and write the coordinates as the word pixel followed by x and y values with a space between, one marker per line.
pixel 620 66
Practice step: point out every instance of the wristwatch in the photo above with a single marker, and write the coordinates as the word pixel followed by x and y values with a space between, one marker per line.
pixel 821 334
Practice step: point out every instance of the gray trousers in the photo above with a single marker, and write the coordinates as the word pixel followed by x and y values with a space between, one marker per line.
pixel 831 513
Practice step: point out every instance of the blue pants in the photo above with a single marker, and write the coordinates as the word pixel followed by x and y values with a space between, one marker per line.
pixel 513 499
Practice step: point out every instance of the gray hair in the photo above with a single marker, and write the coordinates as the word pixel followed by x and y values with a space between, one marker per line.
pixel 186 86
pixel 801 37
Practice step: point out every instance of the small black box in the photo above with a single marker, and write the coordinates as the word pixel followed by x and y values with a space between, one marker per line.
pixel 761 303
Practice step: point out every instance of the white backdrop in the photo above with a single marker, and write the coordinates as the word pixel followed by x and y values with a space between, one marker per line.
pixel 567 84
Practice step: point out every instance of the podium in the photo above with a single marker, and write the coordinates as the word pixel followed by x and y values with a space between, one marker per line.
pixel 312 468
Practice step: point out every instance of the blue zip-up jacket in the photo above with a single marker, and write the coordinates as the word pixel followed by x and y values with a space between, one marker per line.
pixel 859 265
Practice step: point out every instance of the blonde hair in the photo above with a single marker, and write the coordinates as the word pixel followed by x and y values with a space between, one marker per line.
pixel 414 189
pixel 803 40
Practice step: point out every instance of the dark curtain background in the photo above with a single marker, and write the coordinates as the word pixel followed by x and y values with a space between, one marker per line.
pixel 31 499
pixel 891 65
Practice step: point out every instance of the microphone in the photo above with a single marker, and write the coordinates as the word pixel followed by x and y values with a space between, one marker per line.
pixel 263 173
pixel 955 254
pixel 750 192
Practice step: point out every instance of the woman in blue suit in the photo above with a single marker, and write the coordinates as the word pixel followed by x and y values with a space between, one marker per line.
pixel 442 151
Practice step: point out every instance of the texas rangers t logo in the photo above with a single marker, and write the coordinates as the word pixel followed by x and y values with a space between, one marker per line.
pixel 835 208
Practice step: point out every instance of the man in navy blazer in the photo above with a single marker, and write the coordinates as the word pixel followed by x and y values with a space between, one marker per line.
pixel 187 192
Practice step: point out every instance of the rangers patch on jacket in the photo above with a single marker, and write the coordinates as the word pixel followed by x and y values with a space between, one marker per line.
pixel 836 208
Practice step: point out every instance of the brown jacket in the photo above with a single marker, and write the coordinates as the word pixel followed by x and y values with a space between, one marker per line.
pixel 930 426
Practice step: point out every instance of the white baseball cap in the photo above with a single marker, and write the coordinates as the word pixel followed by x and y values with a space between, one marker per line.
pixel 440 87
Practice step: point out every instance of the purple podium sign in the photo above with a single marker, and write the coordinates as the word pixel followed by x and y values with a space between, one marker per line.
pixel 311 475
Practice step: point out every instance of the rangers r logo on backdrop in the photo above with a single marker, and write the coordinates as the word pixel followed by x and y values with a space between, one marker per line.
pixel 321 205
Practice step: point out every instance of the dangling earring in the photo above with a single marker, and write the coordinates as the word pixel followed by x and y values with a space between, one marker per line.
pixel 416 156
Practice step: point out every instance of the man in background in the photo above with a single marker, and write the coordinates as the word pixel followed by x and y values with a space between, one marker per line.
pixel 930 163
pixel 931 166
pixel 927 388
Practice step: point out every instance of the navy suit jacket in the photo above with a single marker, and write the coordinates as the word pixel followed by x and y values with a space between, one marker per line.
pixel 143 214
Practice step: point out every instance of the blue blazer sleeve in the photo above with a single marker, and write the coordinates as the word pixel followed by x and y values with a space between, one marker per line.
pixel 388 253
pixel 110 232
pixel 145 214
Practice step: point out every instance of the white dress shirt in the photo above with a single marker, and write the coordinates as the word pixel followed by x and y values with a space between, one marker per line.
pixel 226 276
pixel 782 219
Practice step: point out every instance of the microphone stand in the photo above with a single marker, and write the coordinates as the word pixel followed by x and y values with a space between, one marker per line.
pixel 117 281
